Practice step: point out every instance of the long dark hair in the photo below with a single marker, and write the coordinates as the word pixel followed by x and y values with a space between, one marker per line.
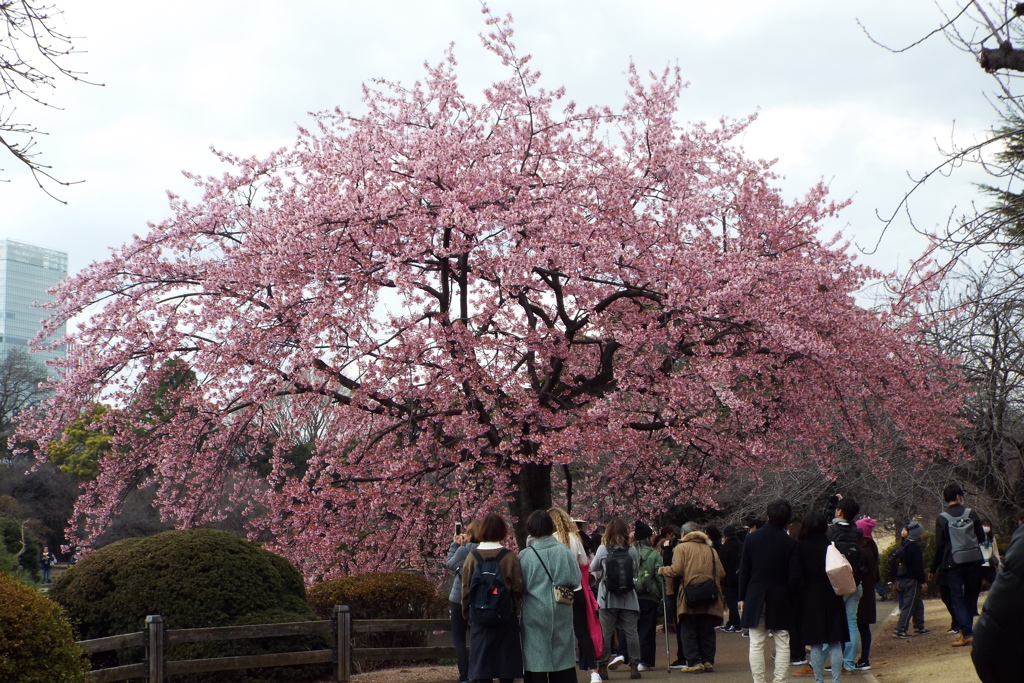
pixel 813 524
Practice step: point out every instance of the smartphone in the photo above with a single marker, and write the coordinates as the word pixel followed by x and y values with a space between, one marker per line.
pixel 458 528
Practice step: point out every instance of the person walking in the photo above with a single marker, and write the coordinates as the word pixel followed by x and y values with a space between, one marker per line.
pixel 458 551
pixel 769 575
pixel 46 564
pixel 989 552
pixel 910 580
pixel 495 651
pixel 550 575
pixel 648 594
pixel 823 623
pixel 617 603
pixel 1000 629
pixel 962 577
pixel 585 624
pixel 696 566
pixel 866 612
pixel 847 537
pixel 730 554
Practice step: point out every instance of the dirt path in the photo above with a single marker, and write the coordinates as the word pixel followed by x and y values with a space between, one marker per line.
pixel 921 658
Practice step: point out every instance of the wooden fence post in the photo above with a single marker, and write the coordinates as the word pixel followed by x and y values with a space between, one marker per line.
pixel 342 643
pixel 155 648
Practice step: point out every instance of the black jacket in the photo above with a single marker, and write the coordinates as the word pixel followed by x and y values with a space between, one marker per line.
pixel 730 557
pixel 769 576
pixel 847 537
pixel 913 558
pixel 1000 629
pixel 823 613
pixel 942 558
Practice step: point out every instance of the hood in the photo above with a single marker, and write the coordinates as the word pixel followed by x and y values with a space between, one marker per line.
pixel 697 537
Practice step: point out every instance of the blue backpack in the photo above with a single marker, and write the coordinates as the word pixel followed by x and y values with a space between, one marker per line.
pixel 490 603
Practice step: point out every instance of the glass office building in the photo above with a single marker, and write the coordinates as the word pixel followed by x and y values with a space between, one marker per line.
pixel 26 272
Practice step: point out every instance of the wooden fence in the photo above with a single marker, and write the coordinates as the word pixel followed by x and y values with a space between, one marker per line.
pixel 156 668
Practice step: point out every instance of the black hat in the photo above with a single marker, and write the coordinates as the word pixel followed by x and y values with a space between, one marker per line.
pixel 641 532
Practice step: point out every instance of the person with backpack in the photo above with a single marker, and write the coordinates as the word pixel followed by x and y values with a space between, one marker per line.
pixel 458 551
pixel 614 565
pixel 492 592
pixel 846 538
pixel 908 565
pixel 699 602
pixel 550 575
pixel 823 623
pixel 648 594
pixel 958 538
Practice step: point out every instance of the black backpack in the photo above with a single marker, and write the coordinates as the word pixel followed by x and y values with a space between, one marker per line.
pixel 490 603
pixel 898 563
pixel 619 571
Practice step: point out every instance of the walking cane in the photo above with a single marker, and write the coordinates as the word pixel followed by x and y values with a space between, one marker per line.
pixel 664 609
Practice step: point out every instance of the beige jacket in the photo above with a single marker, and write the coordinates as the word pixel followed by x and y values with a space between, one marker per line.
pixel 692 564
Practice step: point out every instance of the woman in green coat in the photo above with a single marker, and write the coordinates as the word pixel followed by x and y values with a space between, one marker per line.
pixel 549 650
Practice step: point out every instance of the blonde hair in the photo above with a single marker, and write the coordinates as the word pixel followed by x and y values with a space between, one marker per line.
pixel 565 528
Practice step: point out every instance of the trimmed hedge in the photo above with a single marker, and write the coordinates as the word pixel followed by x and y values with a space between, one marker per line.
pixel 193 579
pixel 380 595
pixel 36 642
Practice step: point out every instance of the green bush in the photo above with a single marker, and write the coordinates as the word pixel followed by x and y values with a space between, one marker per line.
pixel 381 595
pixel 36 642
pixel 927 542
pixel 11 536
pixel 193 579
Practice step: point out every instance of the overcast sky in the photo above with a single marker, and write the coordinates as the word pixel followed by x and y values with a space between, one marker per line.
pixel 241 75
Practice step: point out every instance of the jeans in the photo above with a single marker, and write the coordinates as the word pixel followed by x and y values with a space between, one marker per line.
pixel 460 629
pixel 853 647
pixel 614 617
pixel 835 651
pixel 646 625
pixel 758 635
pixel 913 605
pixel 960 580
pixel 697 634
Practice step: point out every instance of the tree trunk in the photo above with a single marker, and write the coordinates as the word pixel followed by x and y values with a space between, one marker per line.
pixel 532 492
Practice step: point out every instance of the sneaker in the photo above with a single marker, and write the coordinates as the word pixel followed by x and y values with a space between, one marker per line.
pixel 678 665
pixel 963 641
pixel 617 661
pixel 953 631
pixel 732 629
pixel 746 633
pixel 900 634
pixel 708 667
pixel 862 666
pixel 644 667
pixel 595 677
pixel 799 662
pixel 921 631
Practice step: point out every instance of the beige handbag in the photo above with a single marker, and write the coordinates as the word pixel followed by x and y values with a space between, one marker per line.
pixel 563 594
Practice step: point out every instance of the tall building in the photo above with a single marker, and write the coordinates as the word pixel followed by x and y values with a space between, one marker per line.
pixel 26 272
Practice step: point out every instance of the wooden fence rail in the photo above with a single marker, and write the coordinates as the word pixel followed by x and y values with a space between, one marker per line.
pixel 156 667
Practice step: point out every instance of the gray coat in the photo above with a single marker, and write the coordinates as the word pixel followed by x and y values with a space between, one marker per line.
pixel 606 600
pixel 548 642
pixel 456 558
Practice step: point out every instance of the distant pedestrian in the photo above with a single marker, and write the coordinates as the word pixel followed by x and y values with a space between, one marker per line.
pixel 46 562
pixel 730 554
pixel 695 565
pixel 823 615
pixel 989 552
pixel 463 544
pixel 495 650
pixel 549 649
pixel 866 612
pixel 910 580
pixel 617 603
pixel 769 576
pixel 1000 630
pixel 963 573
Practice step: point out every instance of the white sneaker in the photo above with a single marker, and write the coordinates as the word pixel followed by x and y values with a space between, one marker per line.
pixel 595 677
pixel 616 662
pixel 644 667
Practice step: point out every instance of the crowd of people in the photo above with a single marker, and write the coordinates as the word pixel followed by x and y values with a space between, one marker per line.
pixel 808 585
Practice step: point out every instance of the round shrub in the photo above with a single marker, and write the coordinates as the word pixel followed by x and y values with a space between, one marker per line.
pixel 36 643
pixel 380 595
pixel 193 579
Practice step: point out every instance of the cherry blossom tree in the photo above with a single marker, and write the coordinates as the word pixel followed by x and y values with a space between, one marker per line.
pixel 483 303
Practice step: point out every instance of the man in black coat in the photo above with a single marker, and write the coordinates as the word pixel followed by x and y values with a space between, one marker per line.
pixel 730 554
pixel 964 580
pixel 1000 629
pixel 769 577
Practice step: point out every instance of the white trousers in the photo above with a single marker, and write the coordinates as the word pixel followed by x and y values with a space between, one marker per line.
pixel 758 636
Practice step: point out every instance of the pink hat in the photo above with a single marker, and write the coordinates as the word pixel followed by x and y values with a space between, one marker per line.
pixel 866 526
